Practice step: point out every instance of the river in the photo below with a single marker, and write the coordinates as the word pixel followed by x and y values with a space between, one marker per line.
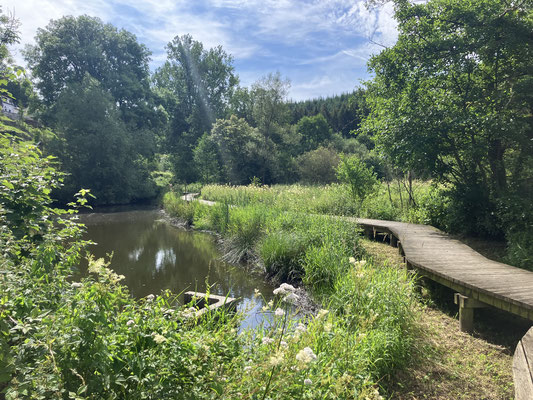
pixel 154 255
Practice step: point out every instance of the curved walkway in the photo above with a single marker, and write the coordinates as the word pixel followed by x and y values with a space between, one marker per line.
pixel 477 280
pixel 448 261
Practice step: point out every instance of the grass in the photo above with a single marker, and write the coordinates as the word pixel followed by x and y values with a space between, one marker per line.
pixel 408 345
pixel 367 334
pixel 447 363
pixel 389 202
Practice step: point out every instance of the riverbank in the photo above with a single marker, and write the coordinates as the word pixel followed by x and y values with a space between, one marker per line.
pixel 438 366
pixel 369 331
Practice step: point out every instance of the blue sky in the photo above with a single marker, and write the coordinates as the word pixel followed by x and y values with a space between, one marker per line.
pixel 321 46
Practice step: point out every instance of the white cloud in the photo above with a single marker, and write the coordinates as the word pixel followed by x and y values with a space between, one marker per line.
pixel 250 30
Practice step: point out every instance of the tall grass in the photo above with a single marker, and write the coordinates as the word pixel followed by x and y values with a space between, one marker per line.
pixel 367 333
pixel 388 202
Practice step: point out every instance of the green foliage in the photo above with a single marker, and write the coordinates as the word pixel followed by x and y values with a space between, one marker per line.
pixel 281 252
pixel 342 112
pixel 206 159
pixel 238 147
pixel 95 147
pixel 315 131
pixel 245 227
pixel 367 332
pixel 179 208
pixel 318 166
pixel 357 175
pixel 451 97
pixel 70 48
pixel 195 85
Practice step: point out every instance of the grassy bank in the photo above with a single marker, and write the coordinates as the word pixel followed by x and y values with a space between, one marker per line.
pixel 387 201
pixel 89 339
pixel 367 333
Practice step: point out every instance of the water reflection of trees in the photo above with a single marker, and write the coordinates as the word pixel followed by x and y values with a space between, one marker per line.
pixel 155 256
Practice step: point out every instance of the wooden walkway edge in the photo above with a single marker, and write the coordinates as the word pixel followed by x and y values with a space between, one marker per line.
pixel 478 282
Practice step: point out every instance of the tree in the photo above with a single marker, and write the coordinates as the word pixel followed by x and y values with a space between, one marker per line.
pixel 357 176
pixel 9 33
pixel 270 110
pixel 314 131
pixel 201 83
pixel 95 148
pixel 318 166
pixel 71 47
pixel 453 97
pixel 238 146
pixel 206 160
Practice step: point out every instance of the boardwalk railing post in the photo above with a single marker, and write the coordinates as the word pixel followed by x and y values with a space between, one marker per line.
pixel 466 311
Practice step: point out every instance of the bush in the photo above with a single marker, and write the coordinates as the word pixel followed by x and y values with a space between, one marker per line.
pixel 179 208
pixel 357 176
pixel 318 166
pixel 244 230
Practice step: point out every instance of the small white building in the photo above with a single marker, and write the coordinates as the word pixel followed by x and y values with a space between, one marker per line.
pixel 8 107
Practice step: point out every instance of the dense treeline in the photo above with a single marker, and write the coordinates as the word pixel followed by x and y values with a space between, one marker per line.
pixel 449 102
pixel 343 112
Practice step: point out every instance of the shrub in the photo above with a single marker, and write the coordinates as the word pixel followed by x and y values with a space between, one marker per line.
pixel 357 175
pixel 318 166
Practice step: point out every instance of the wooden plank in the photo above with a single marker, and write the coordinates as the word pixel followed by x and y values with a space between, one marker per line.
pixel 527 344
pixel 523 385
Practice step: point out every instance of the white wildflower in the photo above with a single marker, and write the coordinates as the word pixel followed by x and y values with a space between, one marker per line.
pixel 257 293
pixel 300 328
pixel 285 288
pixel 283 343
pixel 247 368
pixel 130 322
pixel 306 355
pixel 291 298
pixel 76 285
pixel 327 327
pixel 267 340
pixel 268 306
pixel 279 312
pixel 322 313
pixel 158 338
pixel 150 297
pixel 308 382
pixel 276 360
pixel 352 260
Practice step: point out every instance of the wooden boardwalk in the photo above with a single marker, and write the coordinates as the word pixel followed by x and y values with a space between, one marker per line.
pixel 477 280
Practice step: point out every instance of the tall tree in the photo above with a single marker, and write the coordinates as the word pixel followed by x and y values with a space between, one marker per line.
pixel 71 47
pixel 238 146
pixel 94 145
pixel 202 83
pixel 270 110
pixel 454 96
pixel 314 131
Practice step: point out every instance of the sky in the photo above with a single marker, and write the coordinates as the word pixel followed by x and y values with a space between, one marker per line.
pixel 321 46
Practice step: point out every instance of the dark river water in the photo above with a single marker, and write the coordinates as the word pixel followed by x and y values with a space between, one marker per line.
pixel 153 256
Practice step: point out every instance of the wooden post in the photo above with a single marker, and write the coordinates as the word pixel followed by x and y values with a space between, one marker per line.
pixel 393 240
pixel 466 311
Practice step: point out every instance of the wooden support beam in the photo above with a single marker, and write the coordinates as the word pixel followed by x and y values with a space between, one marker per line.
pixel 393 241
pixel 466 311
